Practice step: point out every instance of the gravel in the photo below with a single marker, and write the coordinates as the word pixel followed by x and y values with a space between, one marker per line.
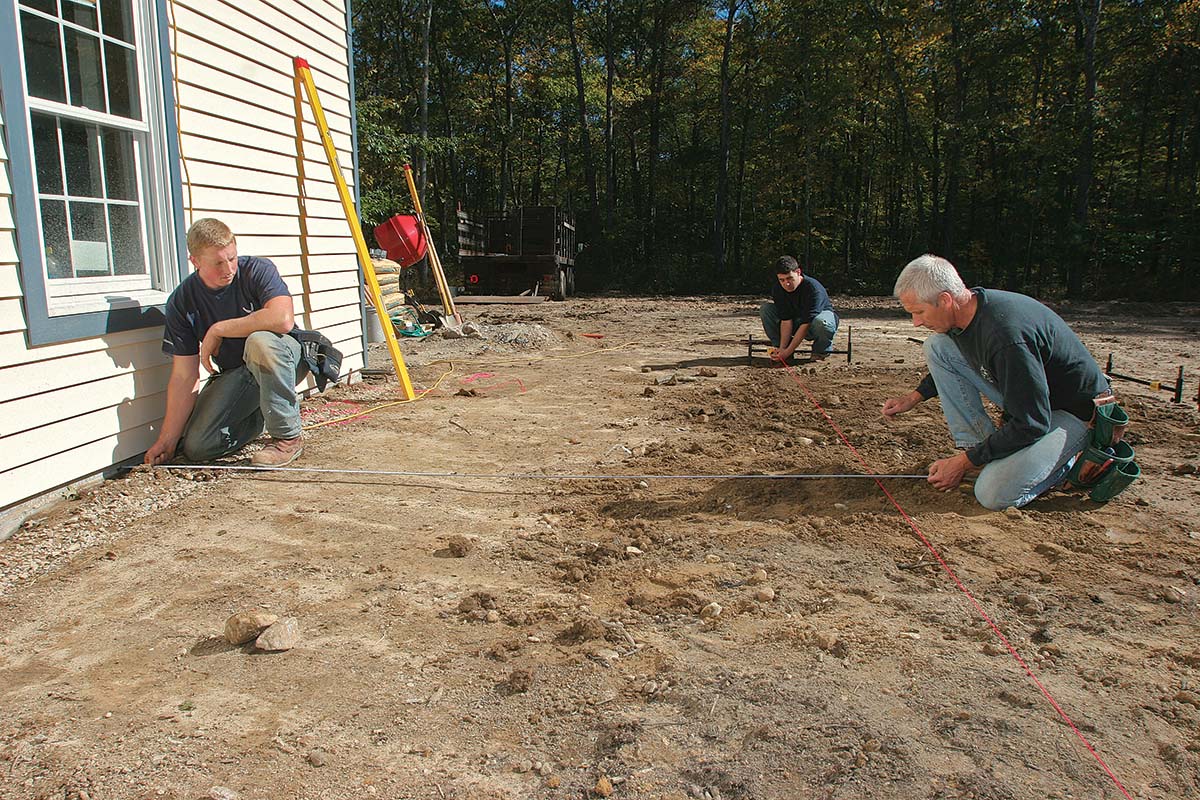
pixel 92 518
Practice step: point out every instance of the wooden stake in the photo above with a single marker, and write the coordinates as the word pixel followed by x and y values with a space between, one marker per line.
pixel 435 263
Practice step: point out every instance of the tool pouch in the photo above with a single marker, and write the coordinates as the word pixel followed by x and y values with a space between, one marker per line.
pixel 1106 466
pixel 1115 481
pixel 1109 424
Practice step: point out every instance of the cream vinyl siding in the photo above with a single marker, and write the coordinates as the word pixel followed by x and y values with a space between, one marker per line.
pixel 71 409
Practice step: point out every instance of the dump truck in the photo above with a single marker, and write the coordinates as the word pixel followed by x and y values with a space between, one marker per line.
pixel 528 250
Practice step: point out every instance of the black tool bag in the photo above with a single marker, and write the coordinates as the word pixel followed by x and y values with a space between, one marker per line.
pixel 323 360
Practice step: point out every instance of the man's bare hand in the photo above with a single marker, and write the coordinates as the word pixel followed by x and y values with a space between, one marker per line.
pixel 898 405
pixel 160 452
pixel 947 473
pixel 209 348
pixel 780 354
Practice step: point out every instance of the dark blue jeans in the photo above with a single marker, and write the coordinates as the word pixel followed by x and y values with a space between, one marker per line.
pixel 233 406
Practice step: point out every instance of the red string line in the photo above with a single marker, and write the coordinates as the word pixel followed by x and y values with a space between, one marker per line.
pixel 946 567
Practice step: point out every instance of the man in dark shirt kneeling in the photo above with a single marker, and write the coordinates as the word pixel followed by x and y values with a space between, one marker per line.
pixel 235 311
pixel 799 310
pixel 1020 355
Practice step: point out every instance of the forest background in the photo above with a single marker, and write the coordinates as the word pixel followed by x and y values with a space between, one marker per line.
pixel 1045 146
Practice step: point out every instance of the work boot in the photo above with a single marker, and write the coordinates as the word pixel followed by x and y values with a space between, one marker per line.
pixel 278 452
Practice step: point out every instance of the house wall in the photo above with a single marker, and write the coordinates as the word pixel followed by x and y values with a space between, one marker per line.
pixel 69 410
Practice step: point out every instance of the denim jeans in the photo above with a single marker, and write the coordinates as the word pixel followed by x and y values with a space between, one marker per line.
pixel 1018 478
pixel 820 330
pixel 233 406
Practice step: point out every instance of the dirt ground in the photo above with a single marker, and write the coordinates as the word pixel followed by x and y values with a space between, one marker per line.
pixel 641 637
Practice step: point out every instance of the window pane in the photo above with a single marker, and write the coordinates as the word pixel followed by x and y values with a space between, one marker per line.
pixel 122 81
pixel 43 58
pixel 81 12
pixel 81 151
pixel 54 232
pixel 49 6
pixel 83 70
pixel 89 240
pixel 117 18
pixel 120 171
pixel 127 240
pixel 45 154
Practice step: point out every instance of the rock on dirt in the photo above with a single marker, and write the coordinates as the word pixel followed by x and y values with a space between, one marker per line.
pixel 1052 551
pixel 830 643
pixel 459 546
pixel 1028 604
pixel 757 577
pixel 283 635
pixel 519 681
pixel 246 625
pixel 603 787
pixel 584 629
pixel 464 331
pixel 477 601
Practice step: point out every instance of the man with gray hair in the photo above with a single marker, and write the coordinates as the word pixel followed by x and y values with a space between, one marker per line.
pixel 234 311
pixel 1019 354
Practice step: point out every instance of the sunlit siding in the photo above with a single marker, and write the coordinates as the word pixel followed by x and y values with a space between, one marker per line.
pixel 236 92
pixel 69 410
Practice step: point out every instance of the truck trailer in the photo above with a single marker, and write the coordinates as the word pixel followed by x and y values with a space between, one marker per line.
pixel 528 250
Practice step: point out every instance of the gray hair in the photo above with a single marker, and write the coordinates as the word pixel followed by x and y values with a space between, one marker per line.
pixel 927 277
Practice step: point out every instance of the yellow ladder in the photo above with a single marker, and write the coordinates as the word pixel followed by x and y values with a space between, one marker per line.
pixel 304 74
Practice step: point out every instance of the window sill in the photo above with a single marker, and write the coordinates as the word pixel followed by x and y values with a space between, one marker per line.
pixel 86 304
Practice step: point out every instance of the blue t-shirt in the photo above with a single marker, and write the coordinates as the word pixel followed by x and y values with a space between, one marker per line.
pixel 802 305
pixel 193 308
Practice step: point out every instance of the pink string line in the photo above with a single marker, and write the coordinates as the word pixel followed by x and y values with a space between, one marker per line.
pixel 946 567
pixel 481 375
pixel 329 410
